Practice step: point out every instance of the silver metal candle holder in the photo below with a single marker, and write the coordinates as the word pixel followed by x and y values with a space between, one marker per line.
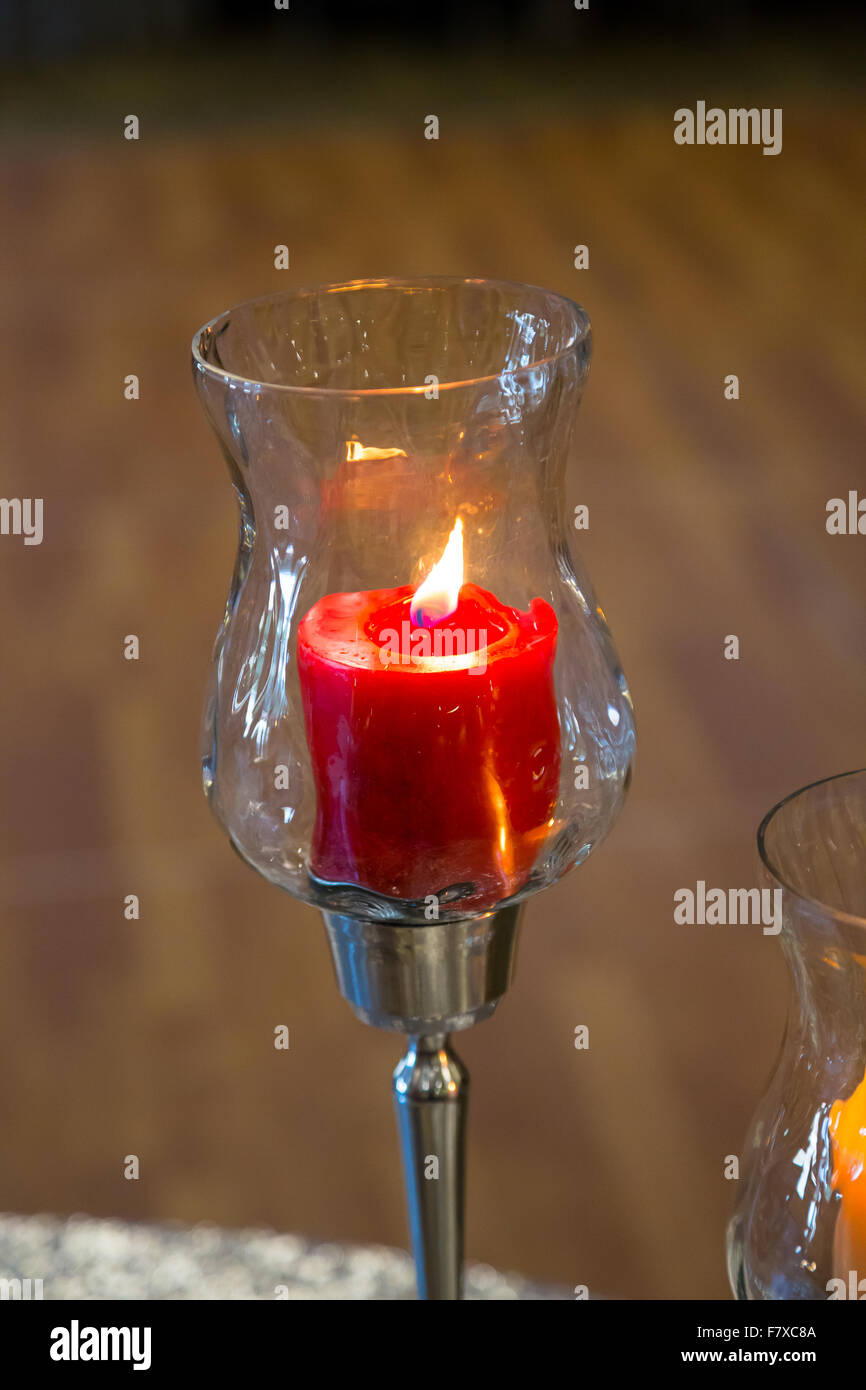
pixel 363 424
pixel 428 982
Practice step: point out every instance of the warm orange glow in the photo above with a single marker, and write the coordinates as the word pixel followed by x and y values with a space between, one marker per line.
pixel 436 598
pixel 848 1132
pixel 504 842
pixel 356 451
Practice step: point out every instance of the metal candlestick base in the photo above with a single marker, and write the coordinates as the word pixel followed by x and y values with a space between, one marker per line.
pixel 428 982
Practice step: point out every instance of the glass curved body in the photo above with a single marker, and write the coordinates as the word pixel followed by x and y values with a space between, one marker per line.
pixel 360 423
pixel 799 1229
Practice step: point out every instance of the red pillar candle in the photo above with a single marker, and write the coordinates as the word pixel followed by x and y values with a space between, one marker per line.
pixel 433 735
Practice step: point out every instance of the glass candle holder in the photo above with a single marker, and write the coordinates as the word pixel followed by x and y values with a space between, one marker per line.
pixel 799 1230
pixel 367 756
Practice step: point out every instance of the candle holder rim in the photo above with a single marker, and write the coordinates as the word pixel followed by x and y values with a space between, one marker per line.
pixel 852 919
pixel 581 332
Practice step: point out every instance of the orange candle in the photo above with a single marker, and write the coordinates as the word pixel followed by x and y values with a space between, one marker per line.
pixel 848 1132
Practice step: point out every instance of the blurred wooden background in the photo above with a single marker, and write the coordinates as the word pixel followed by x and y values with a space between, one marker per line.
pixel 155 1037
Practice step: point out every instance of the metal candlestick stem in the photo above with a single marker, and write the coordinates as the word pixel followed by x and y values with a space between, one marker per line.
pixel 428 981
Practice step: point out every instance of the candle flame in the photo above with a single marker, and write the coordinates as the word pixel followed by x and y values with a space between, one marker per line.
pixel 437 597
pixel 355 451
